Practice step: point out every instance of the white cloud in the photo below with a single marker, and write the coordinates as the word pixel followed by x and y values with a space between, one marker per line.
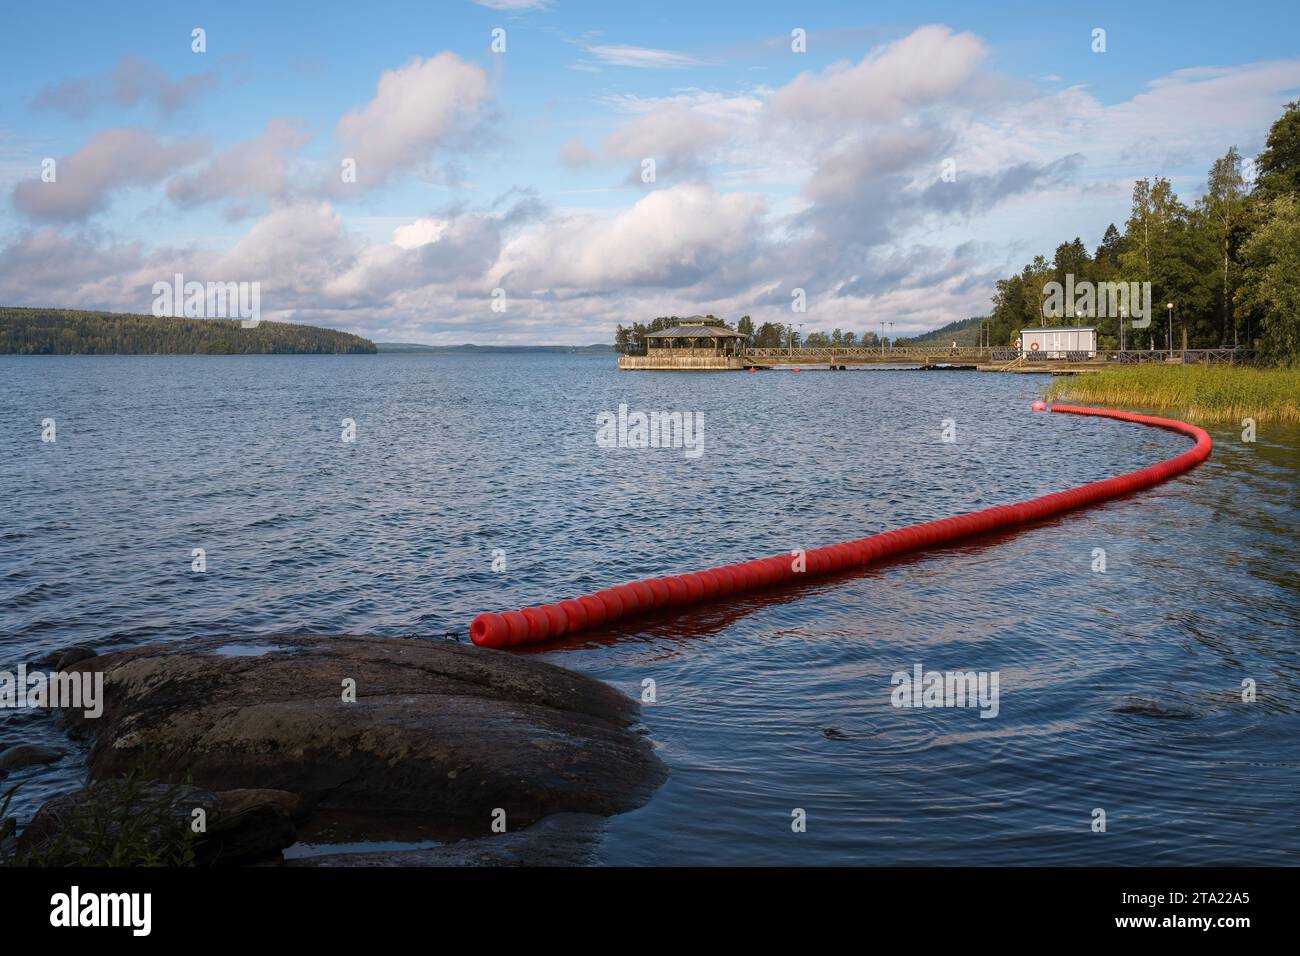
pixel 134 80
pixel 575 154
pixel 107 162
pixel 624 55
pixel 851 205
pixel 673 237
pixel 515 4
pixel 920 69
pixel 414 110
pixel 419 233
pixel 254 168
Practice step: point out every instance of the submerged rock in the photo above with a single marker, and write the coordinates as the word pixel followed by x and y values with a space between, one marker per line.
pixel 1147 707
pixel 435 729
pixel 28 755
pixel 72 655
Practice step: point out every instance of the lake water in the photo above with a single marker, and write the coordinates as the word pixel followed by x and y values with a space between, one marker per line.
pixel 1119 690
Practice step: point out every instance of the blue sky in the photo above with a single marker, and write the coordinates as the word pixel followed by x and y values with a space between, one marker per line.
pixel 521 170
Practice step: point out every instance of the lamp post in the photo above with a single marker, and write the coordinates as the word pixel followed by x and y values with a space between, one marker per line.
pixel 891 336
pixel 1169 339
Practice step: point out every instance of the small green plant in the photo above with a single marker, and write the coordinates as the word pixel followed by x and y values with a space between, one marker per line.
pixel 6 842
pixel 125 822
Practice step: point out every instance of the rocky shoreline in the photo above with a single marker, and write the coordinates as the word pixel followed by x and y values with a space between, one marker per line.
pixel 231 751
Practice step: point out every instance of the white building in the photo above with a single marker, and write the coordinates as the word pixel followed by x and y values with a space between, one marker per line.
pixel 1057 343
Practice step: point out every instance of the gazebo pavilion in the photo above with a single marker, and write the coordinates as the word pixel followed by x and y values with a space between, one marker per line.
pixel 694 340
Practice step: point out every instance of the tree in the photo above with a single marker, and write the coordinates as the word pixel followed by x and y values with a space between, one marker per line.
pixel 1277 167
pixel 1009 309
pixel 770 335
pixel 1071 259
pixel 1106 259
pixel 1271 261
pixel 1168 247
pixel 1224 209
pixel 1224 263
pixel 746 328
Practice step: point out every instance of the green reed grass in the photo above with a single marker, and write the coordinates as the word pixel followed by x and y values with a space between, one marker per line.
pixel 1207 393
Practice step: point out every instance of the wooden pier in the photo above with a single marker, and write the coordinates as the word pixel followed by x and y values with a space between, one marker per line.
pixel 708 348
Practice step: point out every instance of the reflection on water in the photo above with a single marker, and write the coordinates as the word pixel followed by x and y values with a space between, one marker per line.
pixel 1120 691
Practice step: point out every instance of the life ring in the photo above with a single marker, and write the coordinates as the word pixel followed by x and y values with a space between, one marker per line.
pixel 1033 346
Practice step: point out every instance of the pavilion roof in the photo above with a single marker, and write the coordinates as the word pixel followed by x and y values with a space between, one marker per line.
pixel 695 332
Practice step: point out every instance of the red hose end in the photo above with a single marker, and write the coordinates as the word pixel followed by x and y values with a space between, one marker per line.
pixel 489 630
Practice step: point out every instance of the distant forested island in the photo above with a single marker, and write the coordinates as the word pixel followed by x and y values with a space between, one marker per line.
pixel 74 332
pixel 413 347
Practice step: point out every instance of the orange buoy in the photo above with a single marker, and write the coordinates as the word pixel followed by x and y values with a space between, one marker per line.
pixel 548 621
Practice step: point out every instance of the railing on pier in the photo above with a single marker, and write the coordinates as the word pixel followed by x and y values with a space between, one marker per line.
pixel 938 354
pixel 1186 356
pixel 829 355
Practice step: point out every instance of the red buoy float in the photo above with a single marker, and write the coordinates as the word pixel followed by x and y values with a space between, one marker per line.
pixel 549 621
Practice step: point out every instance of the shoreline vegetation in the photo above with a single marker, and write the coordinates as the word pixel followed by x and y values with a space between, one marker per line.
pixel 26 331
pixel 1203 393
pixel 1222 270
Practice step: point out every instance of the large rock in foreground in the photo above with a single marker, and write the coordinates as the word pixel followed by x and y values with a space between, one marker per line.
pixel 436 728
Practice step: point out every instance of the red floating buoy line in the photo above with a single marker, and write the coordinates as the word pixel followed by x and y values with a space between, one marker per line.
pixel 549 621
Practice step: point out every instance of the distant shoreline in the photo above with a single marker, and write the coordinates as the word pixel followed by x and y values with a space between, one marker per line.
pixel 28 331
pixel 399 348
pixel 41 331
pixel 436 350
